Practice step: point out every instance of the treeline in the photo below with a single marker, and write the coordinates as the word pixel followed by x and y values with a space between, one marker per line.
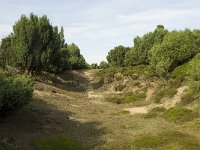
pixel 161 50
pixel 35 45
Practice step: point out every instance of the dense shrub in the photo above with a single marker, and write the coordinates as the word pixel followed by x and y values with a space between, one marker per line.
pixel 15 92
pixel 176 48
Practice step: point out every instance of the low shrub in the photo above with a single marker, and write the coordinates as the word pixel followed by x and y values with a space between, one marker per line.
pixel 180 115
pixel 15 92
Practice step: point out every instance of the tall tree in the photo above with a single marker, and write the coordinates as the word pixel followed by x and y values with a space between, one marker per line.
pixel 36 43
pixel 139 53
pixel 116 56
pixel 6 51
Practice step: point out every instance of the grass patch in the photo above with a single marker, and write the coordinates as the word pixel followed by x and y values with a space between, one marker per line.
pixel 128 98
pixel 56 143
pixel 167 140
pixel 157 111
pixel 180 115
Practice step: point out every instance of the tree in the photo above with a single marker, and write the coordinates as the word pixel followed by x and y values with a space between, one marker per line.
pixel 6 51
pixel 176 48
pixel 139 53
pixel 36 44
pixel 76 60
pixel 116 56
pixel 103 65
pixel 94 66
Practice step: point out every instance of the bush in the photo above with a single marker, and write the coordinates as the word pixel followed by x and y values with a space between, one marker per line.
pixel 179 115
pixel 176 48
pixel 15 92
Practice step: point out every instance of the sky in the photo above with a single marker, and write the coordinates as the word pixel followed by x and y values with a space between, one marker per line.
pixel 97 26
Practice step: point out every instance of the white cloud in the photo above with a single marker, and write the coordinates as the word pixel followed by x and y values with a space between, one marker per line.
pixel 159 14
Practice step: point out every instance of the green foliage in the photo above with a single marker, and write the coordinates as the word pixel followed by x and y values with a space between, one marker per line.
pixel 166 140
pixel 139 53
pixel 6 51
pixel 15 92
pixel 181 71
pixel 76 60
pixel 195 68
pixel 116 56
pixel 36 45
pixel 133 72
pixel 176 48
pixel 180 115
pixel 56 143
pixel 94 66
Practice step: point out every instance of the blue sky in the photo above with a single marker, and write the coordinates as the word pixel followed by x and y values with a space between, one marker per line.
pixel 97 26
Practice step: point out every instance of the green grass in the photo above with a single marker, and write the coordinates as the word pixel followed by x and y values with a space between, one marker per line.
pixel 181 71
pixel 157 111
pixel 180 115
pixel 56 143
pixel 128 98
pixel 166 140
